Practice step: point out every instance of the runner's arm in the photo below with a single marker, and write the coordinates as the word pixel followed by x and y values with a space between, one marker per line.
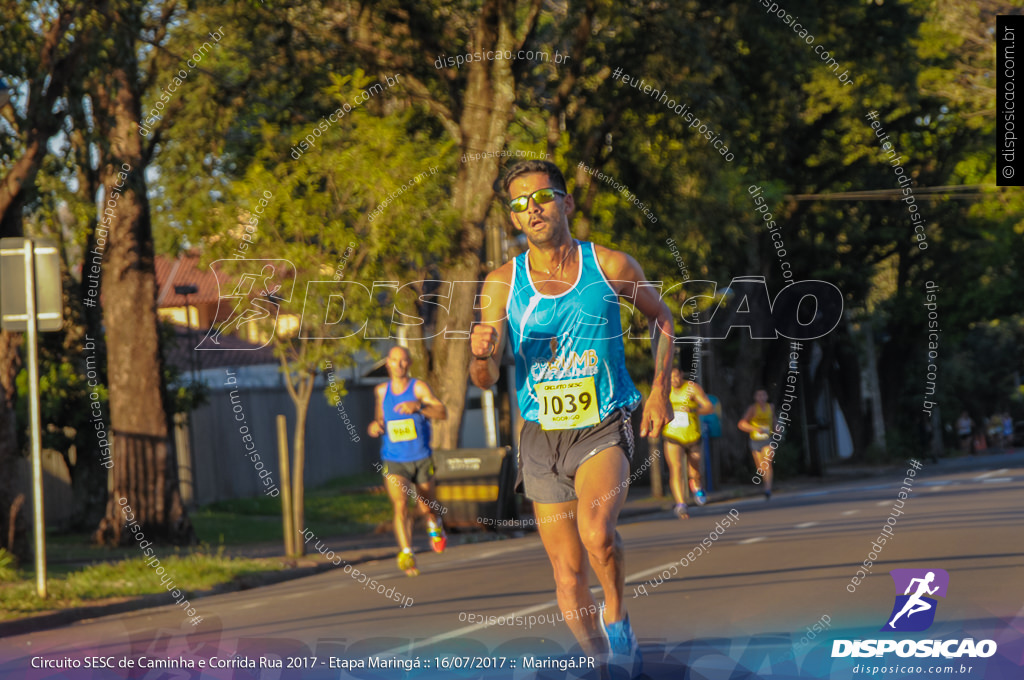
pixel 745 423
pixel 704 405
pixel 624 271
pixel 430 406
pixel 487 340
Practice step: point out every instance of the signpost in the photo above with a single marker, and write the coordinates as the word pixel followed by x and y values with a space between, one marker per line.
pixel 31 301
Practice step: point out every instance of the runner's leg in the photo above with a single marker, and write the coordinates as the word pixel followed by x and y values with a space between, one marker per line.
pixel 427 502
pixel 693 470
pixel 602 474
pixel 398 492
pixel 673 456
pixel 765 464
pixel 556 523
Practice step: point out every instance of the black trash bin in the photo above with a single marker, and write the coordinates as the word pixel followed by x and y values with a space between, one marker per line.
pixel 475 486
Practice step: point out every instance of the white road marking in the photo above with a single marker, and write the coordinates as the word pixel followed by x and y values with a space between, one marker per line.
pixel 804 525
pixel 467 630
pixel 849 512
pixel 990 473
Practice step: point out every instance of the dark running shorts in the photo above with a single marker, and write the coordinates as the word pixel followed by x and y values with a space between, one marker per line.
pixel 417 471
pixel 548 459
pixel 758 444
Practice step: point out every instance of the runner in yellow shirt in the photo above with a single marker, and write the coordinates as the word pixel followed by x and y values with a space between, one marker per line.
pixel 682 435
pixel 759 421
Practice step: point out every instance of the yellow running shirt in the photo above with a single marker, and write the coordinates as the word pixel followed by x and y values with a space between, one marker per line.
pixel 685 426
pixel 762 418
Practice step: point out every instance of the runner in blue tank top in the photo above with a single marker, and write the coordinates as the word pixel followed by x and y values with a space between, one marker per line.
pixel 558 305
pixel 403 406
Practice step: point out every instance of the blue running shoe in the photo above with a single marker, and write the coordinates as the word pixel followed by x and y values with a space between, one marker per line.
pixel 700 497
pixel 624 649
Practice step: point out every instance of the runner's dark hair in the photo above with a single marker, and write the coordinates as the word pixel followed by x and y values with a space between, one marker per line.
pixel 531 166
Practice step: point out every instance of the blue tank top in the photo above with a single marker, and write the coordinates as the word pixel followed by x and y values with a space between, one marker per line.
pixel 406 436
pixel 567 345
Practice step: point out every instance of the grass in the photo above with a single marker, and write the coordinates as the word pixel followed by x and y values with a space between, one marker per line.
pixel 127 578
pixel 340 507
pixel 81 573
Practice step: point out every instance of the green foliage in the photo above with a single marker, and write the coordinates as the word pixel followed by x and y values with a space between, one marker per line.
pixel 229 137
pixel 8 567
pixel 64 399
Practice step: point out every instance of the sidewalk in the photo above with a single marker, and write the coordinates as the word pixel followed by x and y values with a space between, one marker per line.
pixel 363 548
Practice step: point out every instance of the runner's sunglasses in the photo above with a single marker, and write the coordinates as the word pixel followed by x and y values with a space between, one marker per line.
pixel 542 196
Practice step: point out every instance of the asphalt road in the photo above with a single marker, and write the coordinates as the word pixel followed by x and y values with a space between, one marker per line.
pixel 745 608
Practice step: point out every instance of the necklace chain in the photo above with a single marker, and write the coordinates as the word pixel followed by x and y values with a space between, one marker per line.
pixel 564 258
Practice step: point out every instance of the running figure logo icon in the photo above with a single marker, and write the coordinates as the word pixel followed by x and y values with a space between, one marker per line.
pixel 914 610
pixel 256 294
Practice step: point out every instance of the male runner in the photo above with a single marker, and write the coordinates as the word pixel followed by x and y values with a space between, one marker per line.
pixel 403 407
pixel 682 437
pixel 560 300
pixel 758 421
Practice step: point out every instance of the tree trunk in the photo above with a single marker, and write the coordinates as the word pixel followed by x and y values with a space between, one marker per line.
pixel 486 113
pixel 145 468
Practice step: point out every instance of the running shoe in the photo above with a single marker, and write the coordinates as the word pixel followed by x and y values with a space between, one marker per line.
pixel 438 540
pixel 624 651
pixel 680 511
pixel 407 563
pixel 767 494
pixel 700 497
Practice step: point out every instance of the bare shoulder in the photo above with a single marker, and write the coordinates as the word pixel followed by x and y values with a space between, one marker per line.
pixel 422 389
pixel 502 274
pixel 380 390
pixel 616 264
pixel 496 289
